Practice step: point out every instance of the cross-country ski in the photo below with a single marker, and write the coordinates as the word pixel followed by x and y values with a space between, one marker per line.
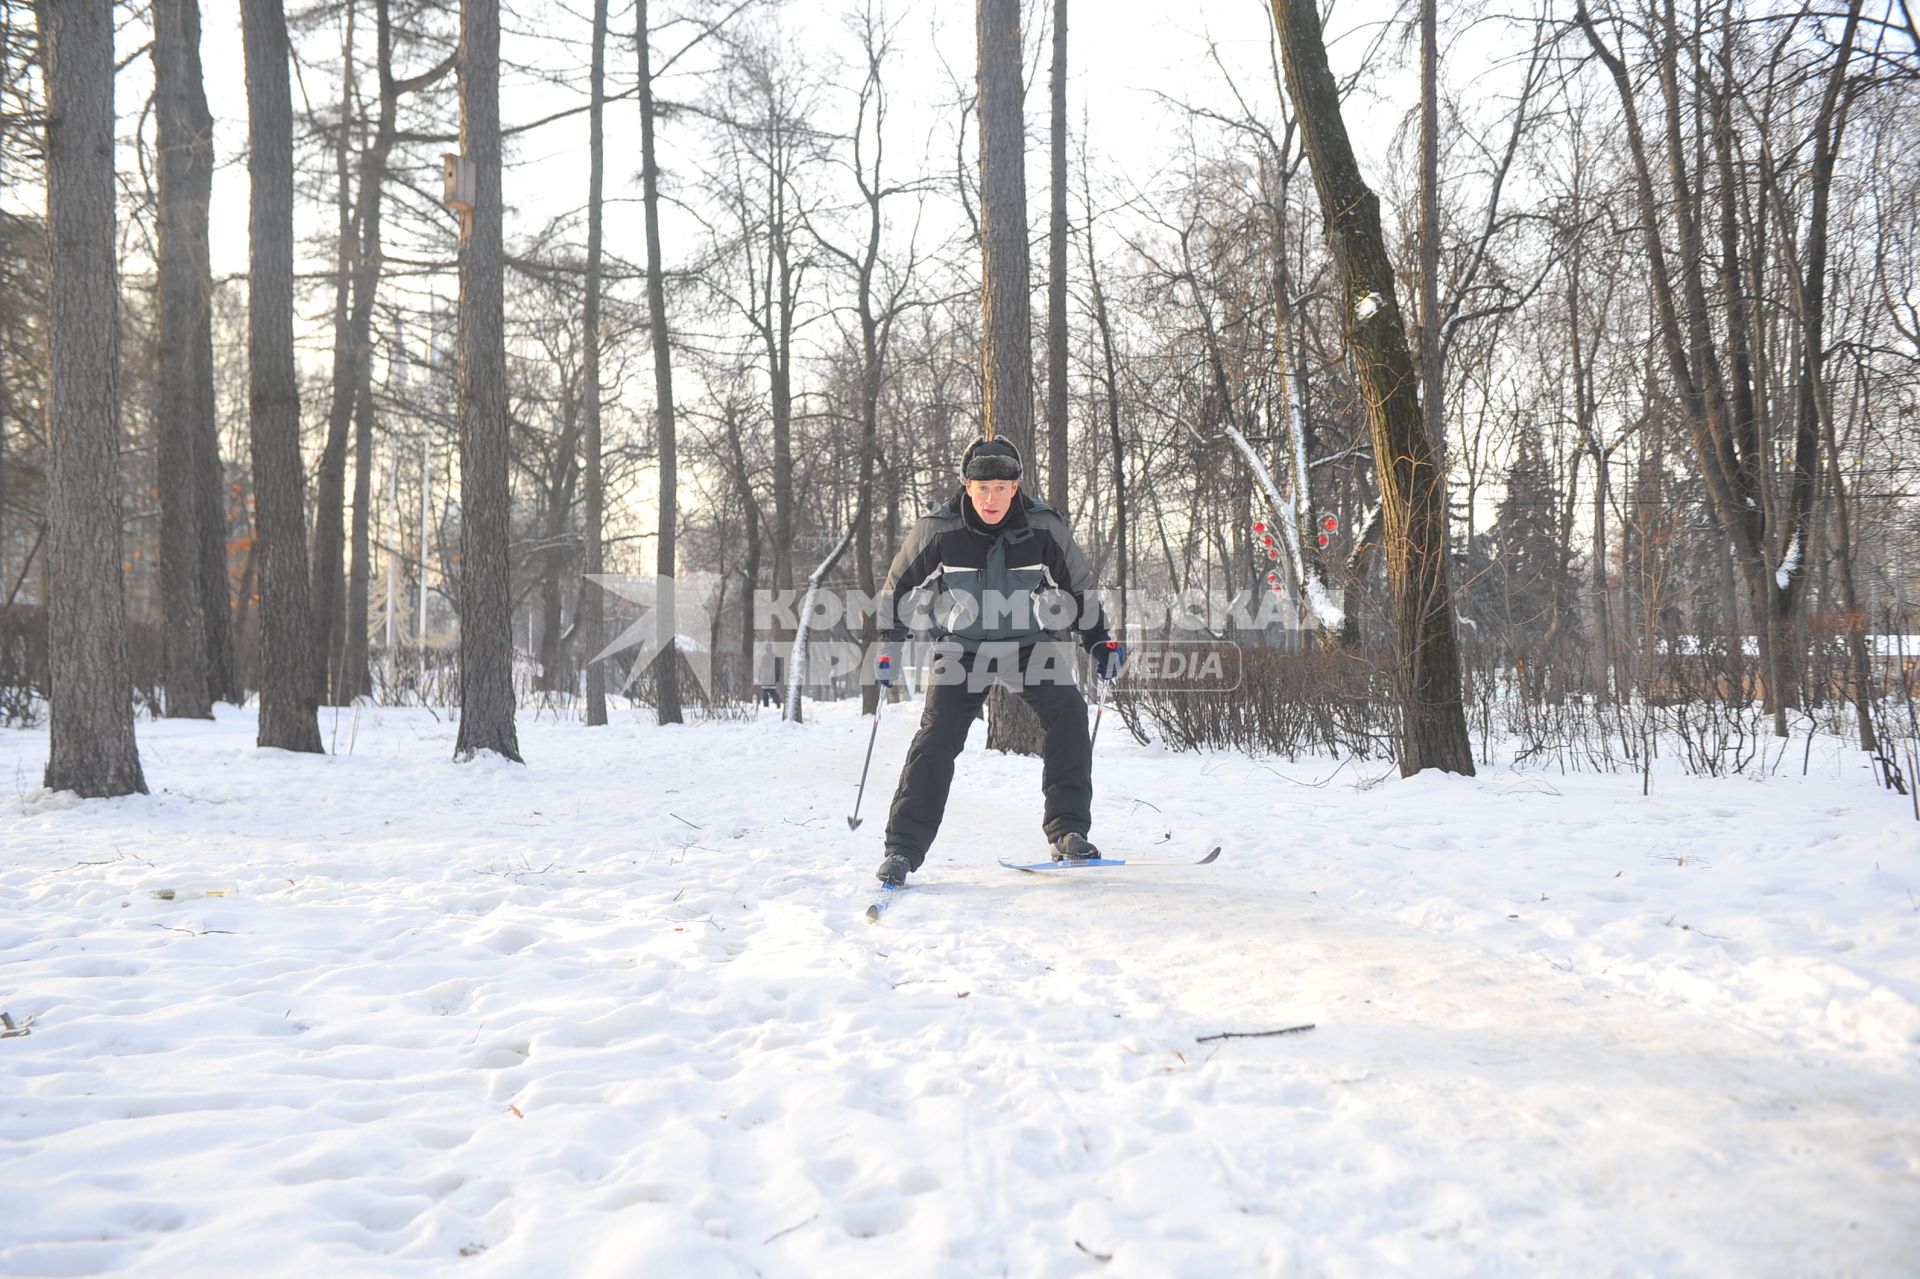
pixel 1065 864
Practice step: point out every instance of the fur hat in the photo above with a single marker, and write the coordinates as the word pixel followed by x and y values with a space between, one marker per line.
pixel 995 459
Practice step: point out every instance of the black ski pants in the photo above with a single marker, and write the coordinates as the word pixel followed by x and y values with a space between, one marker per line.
pixel 952 704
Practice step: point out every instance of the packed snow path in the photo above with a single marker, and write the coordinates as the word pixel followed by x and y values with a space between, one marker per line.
pixel 618 1013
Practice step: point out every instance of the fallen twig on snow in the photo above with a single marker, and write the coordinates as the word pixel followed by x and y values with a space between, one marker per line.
pixel 1254 1034
pixel 781 1234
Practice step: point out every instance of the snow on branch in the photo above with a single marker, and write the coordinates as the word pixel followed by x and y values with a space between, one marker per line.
pixel 1325 612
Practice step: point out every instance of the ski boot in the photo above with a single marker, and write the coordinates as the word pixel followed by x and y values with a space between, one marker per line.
pixel 894 870
pixel 1073 847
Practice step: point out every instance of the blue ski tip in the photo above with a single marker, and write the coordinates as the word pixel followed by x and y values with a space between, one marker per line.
pixel 888 894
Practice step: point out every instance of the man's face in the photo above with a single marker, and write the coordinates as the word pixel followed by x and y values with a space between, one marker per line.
pixel 992 498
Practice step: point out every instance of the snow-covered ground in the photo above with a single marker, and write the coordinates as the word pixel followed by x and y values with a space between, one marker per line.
pixel 617 1013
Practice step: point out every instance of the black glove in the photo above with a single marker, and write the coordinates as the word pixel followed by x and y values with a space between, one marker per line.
pixel 1108 658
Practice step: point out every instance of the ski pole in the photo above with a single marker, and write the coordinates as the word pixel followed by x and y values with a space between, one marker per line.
pixel 1100 707
pixel 886 682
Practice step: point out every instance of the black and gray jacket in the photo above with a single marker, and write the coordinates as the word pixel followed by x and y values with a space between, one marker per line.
pixel 1020 581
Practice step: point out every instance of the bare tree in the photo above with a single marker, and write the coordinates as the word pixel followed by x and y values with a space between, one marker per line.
pixel 1006 328
pixel 1714 378
pixel 590 613
pixel 287 694
pixel 340 652
pixel 1109 375
pixel 209 478
pixel 323 554
pixel 368 263
pixel 1432 378
pixel 1006 333
pixel 184 138
pixel 878 301
pixel 1057 436
pixel 486 617
pixel 767 101
pixel 91 750
pixel 1814 402
pixel 667 672
pixel 1434 728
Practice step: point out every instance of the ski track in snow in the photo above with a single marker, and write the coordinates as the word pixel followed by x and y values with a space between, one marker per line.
pixel 618 1013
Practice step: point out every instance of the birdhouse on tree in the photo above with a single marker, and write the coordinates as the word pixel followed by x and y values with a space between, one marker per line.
pixel 456 175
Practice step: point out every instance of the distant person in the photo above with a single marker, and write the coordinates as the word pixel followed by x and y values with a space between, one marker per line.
pixel 1007 579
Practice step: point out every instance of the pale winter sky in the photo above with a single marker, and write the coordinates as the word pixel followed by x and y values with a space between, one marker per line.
pixel 1122 55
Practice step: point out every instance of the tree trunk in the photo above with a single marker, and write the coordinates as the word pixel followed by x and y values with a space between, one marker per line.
pixel 590 612
pixel 354 678
pixel 181 300
pixel 1434 731
pixel 1584 427
pixel 667 670
pixel 243 599
pixel 1006 355
pixel 875 329
pixel 1110 388
pixel 91 748
pixel 750 516
pixel 1811 356
pixel 486 619
pixel 1816 397
pixel 1006 330
pixel 562 482
pixel 210 478
pixel 1859 670
pixel 330 480
pixel 287 694
pixel 1057 477
pixel 1433 383
pixel 343 656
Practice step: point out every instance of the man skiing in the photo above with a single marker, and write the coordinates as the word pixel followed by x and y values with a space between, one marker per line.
pixel 1006 580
